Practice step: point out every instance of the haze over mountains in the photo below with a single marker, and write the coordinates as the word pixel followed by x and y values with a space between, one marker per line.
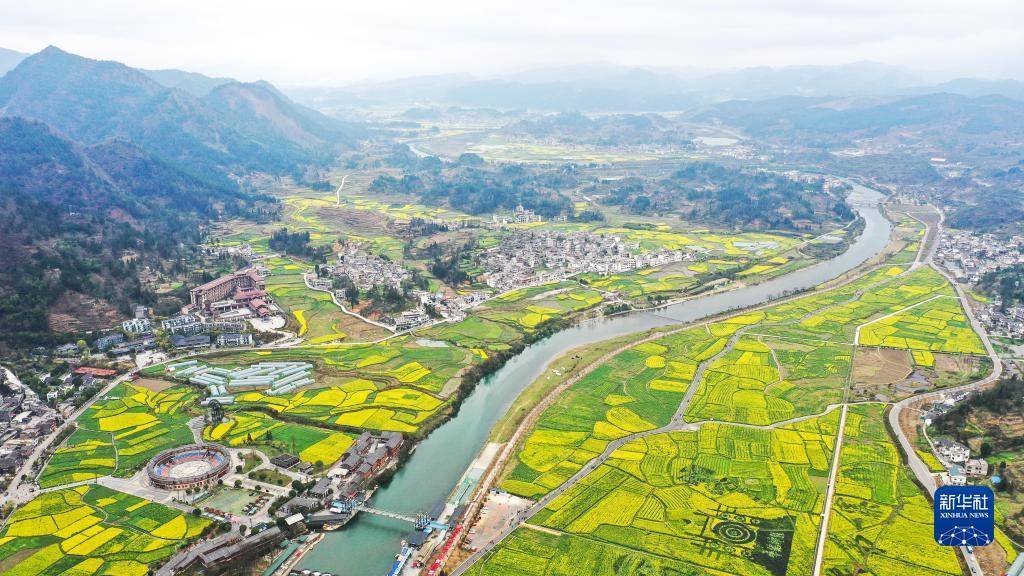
pixel 605 87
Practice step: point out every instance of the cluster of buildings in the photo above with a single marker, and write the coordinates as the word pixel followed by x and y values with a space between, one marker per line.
pixel 969 256
pixel 225 553
pixel 959 464
pixel 532 257
pixel 451 307
pixel 24 419
pixel 956 457
pixel 367 270
pixel 272 378
pixel 367 457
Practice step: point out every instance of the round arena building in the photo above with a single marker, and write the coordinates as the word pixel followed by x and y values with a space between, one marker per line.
pixel 188 466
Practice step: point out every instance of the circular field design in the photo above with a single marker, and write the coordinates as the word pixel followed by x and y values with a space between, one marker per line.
pixel 187 466
pixel 735 533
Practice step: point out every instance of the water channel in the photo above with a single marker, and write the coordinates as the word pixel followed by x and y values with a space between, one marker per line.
pixel 366 547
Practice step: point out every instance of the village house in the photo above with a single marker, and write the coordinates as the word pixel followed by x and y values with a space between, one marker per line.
pixel 976 467
pixel 952 451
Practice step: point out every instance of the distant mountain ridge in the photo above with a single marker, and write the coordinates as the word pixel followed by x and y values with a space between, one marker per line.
pixel 597 87
pixel 92 101
pixel 9 59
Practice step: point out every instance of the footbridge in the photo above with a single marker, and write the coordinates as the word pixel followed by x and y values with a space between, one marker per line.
pixel 420 521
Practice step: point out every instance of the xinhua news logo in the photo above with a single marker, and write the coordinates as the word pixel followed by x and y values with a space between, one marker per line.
pixel 964 516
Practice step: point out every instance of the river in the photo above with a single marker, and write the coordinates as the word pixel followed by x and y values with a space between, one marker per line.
pixel 366 547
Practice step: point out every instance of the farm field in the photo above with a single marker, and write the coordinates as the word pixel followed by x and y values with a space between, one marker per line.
pixel 357 403
pixel 785 361
pixel 85 455
pixel 313 314
pixel 92 530
pixel 675 277
pixel 936 325
pixel 764 380
pixel 399 361
pixel 881 522
pixel 718 500
pixel 523 310
pixel 136 421
pixel 242 428
pixel 636 390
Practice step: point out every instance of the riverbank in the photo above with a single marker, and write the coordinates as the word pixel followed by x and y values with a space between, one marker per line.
pixel 368 544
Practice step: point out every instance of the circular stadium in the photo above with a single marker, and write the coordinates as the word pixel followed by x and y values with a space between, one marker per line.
pixel 188 466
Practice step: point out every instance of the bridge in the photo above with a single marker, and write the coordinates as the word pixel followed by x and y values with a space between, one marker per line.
pixel 420 521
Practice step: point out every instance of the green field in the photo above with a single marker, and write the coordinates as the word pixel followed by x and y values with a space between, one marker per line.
pixel 523 310
pixel 881 522
pixel 937 325
pixel 85 455
pixel 636 390
pixel 241 428
pixel 719 500
pixel 136 421
pixel 92 530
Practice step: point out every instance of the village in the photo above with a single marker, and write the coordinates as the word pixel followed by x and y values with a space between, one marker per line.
pixel 969 256
pixel 526 258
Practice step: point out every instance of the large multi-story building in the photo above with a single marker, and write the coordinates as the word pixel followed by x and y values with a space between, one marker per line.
pixel 242 287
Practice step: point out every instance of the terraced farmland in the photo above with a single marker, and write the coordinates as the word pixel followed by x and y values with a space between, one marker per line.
pixel 657 501
pixel 357 403
pixel 399 361
pixel 85 455
pixel 92 530
pixel 523 310
pixel 936 325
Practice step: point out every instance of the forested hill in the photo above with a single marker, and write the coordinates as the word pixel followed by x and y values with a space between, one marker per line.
pixel 1006 283
pixel 722 195
pixel 84 220
pixel 236 128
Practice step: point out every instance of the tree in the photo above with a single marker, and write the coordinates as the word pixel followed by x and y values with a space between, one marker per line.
pixel 242 528
pixel 197 512
pixel 985 449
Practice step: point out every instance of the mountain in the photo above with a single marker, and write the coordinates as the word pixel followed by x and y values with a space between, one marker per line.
pixel 82 221
pixel 855 79
pixel 846 119
pixel 93 101
pixel 608 87
pixel 9 59
pixel 976 87
pixel 260 111
pixel 195 84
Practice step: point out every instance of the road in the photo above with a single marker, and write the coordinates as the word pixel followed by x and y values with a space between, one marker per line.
pixel 826 513
pixel 921 471
pixel 17 492
pixel 916 464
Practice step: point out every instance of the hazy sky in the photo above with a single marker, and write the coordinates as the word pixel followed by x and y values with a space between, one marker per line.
pixel 344 41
